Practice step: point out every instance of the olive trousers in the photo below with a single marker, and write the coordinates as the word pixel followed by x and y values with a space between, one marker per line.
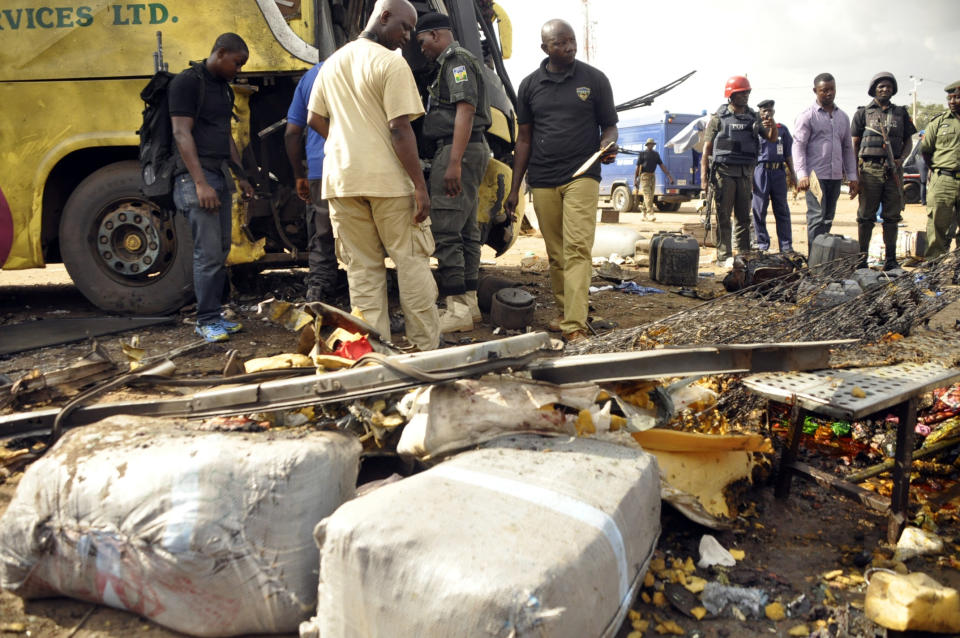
pixel 454 219
pixel 568 218
pixel 647 183
pixel 943 212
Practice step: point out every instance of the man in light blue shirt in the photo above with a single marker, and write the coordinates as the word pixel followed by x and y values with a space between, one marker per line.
pixel 822 146
pixel 322 277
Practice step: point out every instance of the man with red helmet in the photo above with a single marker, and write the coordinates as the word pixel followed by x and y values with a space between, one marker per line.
pixel 732 144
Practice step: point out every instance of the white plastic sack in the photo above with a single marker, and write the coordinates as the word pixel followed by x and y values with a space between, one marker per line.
pixel 206 533
pixel 529 536
pixel 614 239
pixel 448 418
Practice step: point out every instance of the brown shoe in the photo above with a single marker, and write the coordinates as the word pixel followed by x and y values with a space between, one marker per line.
pixel 554 325
pixel 573 337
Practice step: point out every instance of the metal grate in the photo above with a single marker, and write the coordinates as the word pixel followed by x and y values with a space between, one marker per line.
pixel 834 392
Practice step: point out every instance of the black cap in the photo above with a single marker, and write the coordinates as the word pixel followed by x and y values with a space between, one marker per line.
pixel 766 104
pixel 431 21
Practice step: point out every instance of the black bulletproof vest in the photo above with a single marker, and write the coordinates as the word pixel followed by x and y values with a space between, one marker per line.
pixel 736 143
pixel 894 120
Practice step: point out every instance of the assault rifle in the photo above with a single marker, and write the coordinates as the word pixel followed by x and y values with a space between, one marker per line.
pixel 158 63
pixel 707 210
pixel 891 160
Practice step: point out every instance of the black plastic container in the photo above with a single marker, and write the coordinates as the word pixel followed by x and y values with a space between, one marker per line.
pixel 674 259
pixel 827 248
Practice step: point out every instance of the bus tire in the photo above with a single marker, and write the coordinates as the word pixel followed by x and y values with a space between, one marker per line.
pixel 911 193
pixel 621 199
pixel 123 253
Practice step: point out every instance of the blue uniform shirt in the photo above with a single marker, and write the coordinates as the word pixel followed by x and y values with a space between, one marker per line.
pixel 298 114
pixel 776 151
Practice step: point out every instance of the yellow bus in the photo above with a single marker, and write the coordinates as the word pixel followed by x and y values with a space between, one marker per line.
pixel 71 72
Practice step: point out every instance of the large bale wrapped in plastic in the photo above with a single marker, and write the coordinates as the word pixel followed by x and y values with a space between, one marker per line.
pixel 448 418
pixel 206 533
pixel 528 536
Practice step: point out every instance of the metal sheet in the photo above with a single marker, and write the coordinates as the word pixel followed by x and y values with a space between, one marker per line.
pixel 51 332
pixel 685 361
pixel 831 392
pixel 312 389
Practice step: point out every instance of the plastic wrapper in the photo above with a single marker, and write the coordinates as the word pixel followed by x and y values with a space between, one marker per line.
pixel 206 533
pixel 447 418
pixel 528 536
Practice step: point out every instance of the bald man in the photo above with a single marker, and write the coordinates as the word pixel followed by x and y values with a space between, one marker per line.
pixel 566 107
pixel 362 102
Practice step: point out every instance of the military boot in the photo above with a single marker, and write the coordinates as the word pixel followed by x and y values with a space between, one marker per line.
pixel 724 244
pixel 456 318
pixel 474 306
pixel 890 247
pixel 864 233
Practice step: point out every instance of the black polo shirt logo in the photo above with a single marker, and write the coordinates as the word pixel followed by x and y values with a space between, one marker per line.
pixel 583 92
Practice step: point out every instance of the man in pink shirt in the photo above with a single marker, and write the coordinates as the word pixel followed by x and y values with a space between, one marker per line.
pixel 822 147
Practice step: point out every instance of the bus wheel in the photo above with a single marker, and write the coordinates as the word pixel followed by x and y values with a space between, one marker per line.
pixel 622 199
pixel 123 252
pixel 911 193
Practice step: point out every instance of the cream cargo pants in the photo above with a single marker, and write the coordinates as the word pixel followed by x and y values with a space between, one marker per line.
pixel 371 228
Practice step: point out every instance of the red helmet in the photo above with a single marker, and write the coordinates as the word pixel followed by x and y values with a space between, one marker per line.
pixel 734 84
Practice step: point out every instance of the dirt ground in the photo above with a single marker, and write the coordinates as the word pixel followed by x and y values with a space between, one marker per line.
pixel 791 546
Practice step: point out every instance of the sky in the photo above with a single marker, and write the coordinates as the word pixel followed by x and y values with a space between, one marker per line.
pixel 780 46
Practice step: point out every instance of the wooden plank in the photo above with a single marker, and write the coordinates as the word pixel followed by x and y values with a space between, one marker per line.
pixel 865 497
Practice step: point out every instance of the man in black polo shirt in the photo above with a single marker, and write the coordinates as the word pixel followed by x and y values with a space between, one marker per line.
pixel 565 114
pixel 201 105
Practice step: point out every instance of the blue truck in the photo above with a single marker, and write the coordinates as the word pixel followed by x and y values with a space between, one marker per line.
pixel 616 181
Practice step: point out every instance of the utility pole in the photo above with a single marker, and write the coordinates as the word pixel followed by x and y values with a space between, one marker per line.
pixel 916 83
pixel 589 38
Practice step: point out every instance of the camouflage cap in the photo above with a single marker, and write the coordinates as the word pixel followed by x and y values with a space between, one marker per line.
pixel 952 87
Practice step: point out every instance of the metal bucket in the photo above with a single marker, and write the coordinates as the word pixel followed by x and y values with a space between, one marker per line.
pixel 512 309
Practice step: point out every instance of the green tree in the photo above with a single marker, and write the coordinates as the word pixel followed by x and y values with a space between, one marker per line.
pixel 925 112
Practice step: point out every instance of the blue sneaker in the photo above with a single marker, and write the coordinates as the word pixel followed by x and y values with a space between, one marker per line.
pixel 212 332
pixel 231 326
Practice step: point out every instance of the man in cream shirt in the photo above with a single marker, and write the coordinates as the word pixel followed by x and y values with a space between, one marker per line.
pixel 362 102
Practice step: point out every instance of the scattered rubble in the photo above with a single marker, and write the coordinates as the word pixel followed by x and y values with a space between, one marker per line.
pixel 514 523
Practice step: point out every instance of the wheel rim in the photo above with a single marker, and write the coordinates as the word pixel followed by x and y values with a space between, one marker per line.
pixel 133 242
pixel 618 198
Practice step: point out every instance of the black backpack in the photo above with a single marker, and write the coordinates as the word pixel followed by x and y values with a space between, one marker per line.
pixel 158 151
